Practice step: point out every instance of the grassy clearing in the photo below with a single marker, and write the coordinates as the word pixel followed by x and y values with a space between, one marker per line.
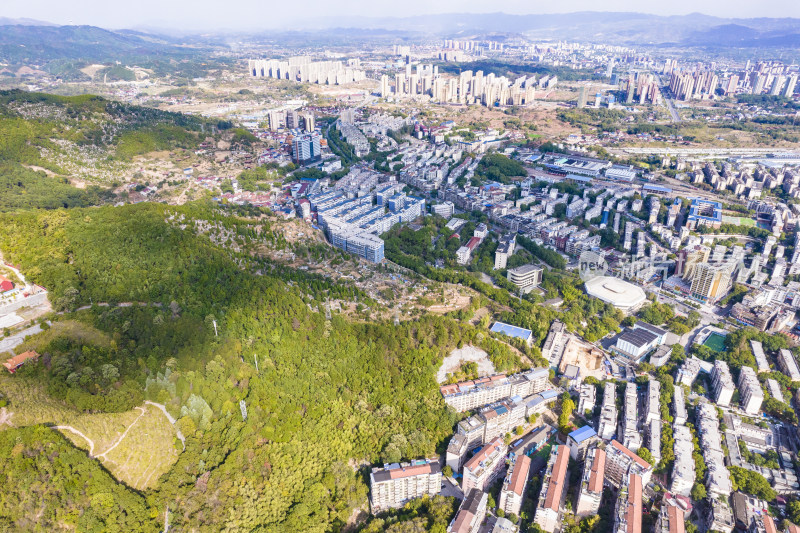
pixel 138 459
pixel 73 329
pixel 146 452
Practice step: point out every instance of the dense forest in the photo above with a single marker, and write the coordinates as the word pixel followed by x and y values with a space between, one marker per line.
pixel 322 396
pixel 23 188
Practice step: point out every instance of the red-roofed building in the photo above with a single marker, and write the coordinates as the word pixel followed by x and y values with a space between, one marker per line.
pixel 592 482
pixel 5 284
pixel 620 462
pixel 514 485
pixel 628 515
pixel 18 360
pixel 394 485
pixel 553 489
pixel 484 467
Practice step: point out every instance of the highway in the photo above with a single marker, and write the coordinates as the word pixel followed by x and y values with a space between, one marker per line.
pixel 668 99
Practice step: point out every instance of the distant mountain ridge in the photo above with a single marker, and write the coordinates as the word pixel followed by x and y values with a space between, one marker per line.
pixel 613 27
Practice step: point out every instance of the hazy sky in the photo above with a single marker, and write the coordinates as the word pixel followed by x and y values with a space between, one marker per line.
pixel 247 14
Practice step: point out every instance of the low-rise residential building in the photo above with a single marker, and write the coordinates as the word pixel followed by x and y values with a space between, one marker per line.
pixel 671 516
pixel 629 430
pixel 628 513
pixel 514 484
pixel 469 395
pixel 620 462
pixel 722 383
pixel 587 399
pixel 683 475
pixel 555 342
pixel 395 484
pixel 652 407
pixel 679 414
pixel 719 516
pixel 591 491
pixel 774 390
pixel 788 364
pixel 485 466
pixel 579 440
pixel 761 359
pixel 607 424
pixel 470 513
pixel 750 392
pixel 718 480
pixel 554 491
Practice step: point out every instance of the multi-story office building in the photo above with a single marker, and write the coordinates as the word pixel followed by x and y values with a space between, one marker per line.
pixel 484 467
pixel 394 485
pixel 591 482
pixel 620 462
pixel 306 148
pixel 468 395
pixel 628 513
pixel 750 391
pixel 710 281
pixel 514 485
pixel 470 513
pixel 722 383
pixel 607 424
pixel 554 490
pixel 788 364
pixel 525 277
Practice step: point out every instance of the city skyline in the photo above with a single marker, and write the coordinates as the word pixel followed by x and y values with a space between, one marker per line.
pixel 251 15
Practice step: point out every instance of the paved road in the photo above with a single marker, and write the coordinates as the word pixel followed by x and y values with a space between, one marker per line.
pixel 668 100
pixel 12 341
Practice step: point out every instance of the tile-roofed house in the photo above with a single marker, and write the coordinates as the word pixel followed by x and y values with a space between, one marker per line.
pixel 13 363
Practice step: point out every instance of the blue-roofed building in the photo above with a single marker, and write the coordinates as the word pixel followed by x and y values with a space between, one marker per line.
pixel 581 440
pixel 513 331
pixel 655 189
pixel 704 213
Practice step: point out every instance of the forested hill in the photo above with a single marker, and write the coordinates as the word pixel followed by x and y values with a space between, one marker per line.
pixel 33 122
pixel 325 395
pixel 54 132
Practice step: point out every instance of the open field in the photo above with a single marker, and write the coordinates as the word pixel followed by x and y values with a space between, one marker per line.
pixel 135 446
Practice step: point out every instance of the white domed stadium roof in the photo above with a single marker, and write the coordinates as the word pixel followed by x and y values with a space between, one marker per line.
pixel 617 292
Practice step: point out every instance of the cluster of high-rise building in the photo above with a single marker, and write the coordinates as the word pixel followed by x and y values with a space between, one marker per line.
pixel 702 82
pixel 305 70
pixel 468 88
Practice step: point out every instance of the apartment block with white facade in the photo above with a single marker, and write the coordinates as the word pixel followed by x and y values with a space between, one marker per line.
pixel 394 485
